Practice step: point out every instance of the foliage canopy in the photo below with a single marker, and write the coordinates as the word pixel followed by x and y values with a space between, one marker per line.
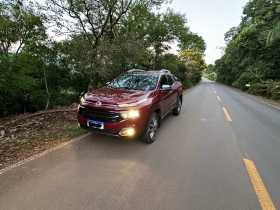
pixel 252 54
pixel 98 41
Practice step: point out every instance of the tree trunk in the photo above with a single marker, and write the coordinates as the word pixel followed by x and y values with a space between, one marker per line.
pixel 46 84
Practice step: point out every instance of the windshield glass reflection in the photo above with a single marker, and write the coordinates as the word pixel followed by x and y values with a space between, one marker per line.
pixel 135 82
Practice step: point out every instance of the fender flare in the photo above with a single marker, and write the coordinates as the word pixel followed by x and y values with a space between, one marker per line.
pixel 159 112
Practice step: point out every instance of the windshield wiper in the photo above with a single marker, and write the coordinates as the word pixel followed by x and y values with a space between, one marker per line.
pixel 126 88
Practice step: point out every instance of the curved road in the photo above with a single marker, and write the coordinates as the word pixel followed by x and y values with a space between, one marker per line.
pixel 222 152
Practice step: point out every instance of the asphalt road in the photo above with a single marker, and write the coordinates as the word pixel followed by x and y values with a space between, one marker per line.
pixel 222 152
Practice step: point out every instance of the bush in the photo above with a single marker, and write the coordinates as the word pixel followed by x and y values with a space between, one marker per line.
pixel 242 81
pixel 269 89
pixel 212 76
pixel 275 90
pixel 38 100
pixel 195 76
pixel 59 99
pixel 260 89
pixel 186 83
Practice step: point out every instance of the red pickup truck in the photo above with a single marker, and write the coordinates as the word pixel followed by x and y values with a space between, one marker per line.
pixel 131 105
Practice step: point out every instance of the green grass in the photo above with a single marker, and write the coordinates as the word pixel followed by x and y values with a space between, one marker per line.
pixel 77 131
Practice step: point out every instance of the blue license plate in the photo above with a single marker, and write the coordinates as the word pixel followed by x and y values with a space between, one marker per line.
pixel 95 124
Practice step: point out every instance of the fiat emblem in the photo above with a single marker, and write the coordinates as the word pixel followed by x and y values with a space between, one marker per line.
pixel 98 103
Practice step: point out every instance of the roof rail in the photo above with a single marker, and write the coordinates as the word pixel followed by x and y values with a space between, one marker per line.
pixel 165 71
pixel 133 70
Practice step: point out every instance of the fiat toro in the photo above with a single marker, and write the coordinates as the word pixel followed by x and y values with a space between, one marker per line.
pixel 133 104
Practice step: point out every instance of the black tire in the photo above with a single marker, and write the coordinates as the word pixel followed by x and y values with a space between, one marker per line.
pixel 177 109
pixel 152 129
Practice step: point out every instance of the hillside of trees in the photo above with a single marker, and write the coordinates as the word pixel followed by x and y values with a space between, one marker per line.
pixel 53 53
pixel 252 53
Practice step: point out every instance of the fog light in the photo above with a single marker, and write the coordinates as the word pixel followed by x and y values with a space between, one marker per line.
pixel 127 132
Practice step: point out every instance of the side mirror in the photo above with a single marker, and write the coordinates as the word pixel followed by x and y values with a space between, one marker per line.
pixel 165 87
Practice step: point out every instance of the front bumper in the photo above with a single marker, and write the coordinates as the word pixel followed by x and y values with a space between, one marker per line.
pixel 114 129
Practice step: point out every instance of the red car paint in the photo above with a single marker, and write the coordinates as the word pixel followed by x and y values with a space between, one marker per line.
pixel 102 105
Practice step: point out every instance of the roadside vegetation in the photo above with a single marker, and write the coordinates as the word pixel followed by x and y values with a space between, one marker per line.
pixel 22 136
pixel 210 73
pixel 252 52
pixel 51 54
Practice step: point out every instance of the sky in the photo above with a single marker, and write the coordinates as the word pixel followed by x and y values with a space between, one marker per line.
pixel 211 20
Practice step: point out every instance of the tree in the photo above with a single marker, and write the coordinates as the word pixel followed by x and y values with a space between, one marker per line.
pixel 91 23
pixel 20 24
pixel 195 58
pixel 156 31
pixel 192 48
pixel 273 34
pixel 249 58
pixel 193 42
pixel 16 83
pixel 101 39
pixel 210 69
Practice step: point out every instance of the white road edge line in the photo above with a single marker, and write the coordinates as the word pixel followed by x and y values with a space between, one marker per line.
pixel 261 101
pixel 256 99
pixel 8 168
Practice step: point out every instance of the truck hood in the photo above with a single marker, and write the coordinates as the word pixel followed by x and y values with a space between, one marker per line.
pixel 116 96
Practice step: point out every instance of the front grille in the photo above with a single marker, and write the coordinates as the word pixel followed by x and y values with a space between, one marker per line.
pixel 100 115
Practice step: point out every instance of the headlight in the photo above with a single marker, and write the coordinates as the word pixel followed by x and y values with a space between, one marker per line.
pixel 82 100
pixel 130 114
pixel 132 104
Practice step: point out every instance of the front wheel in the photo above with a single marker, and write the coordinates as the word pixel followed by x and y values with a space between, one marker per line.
pixel 177 109
pixel 152 129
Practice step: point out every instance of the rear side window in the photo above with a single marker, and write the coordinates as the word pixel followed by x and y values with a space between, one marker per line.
pixel 163 81
pixel 175 78
pixel 170 80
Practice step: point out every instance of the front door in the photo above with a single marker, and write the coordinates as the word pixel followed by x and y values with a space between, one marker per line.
pixel 166 95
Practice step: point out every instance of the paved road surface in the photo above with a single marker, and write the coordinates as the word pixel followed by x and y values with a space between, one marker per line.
pixel 200 160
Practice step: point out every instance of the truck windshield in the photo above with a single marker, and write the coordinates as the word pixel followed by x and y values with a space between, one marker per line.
pixel 135 82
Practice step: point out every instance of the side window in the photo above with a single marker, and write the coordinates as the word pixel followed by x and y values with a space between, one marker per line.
pixel 175 78
pixel 163 81
pixel 170 80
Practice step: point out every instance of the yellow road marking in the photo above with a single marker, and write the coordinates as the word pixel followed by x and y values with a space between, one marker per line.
pixel 227 115
pixel 219 98
pixel 263 196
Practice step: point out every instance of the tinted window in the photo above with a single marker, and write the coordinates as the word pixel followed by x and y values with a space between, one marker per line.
pixel 175 78
pixel 170 80
pixel 135 82
pixel 163 81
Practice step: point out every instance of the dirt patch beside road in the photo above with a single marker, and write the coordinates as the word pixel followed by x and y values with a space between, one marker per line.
pixel 25 135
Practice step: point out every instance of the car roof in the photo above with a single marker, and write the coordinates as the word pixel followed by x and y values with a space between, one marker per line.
pixel 139 71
